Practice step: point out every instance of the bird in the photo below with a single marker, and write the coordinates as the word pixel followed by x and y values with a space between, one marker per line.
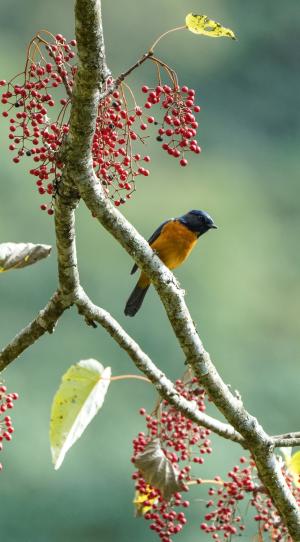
pixel 172 241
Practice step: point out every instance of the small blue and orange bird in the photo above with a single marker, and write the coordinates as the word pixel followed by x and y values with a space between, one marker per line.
pixel 173 241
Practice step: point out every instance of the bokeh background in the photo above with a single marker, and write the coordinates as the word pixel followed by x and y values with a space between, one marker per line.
pixel 242 282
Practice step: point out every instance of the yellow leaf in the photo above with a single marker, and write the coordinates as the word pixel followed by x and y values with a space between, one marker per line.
pixel 139 500
pixel 201 24
pixel 78 399
pixel 293 466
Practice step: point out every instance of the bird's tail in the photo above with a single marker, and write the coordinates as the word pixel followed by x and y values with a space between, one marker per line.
pixel 135 300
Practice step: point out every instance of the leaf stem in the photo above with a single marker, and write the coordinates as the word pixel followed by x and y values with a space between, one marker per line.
pixel 164 34
pixel 128 377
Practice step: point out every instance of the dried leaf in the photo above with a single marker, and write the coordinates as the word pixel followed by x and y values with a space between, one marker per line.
pixel 201 24
pixel 79 397
pixel 157 470
pixel 17 255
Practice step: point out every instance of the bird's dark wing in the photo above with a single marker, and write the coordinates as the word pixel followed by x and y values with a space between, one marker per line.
pixel 151 240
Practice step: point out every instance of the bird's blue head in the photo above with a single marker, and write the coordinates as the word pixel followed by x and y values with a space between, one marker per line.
pixel 198 221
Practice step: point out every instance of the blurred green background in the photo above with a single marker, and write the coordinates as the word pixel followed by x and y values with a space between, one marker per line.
pixel 242 282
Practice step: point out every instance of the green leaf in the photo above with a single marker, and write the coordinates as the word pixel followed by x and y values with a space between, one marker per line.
pixel 201 24
pixel 79 397
pixel 17 255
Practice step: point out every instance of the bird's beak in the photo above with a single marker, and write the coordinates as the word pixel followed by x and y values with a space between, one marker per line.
pixel 213 226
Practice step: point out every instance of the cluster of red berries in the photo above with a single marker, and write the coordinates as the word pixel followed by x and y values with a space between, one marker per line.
pixel 184 443
pixel 46 84
pixel 6 403
pixel 114 160
pixel 266 514
pixel 179 126
pixel 28 97
pixel 223 519
pixel 164 519
pixel 117 128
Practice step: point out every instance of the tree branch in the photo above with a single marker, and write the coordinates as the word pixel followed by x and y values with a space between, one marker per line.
pixel 285 443
pixel 65 242
pixel 90 48
pixel 288 439
pixel 164 386
pixel 44 322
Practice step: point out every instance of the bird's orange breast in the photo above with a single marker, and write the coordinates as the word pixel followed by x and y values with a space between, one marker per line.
pixel 174 244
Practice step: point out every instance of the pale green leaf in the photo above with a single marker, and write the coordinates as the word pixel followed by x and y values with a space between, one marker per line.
pixel 201 24
pixel 78 399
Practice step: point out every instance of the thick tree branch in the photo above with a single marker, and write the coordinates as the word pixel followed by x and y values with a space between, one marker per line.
pixel 86 92
pixel 164 386
pixel 65 243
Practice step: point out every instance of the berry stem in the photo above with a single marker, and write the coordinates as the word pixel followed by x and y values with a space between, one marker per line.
pixel 136 65
pixel 195 482
pixel 169 70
